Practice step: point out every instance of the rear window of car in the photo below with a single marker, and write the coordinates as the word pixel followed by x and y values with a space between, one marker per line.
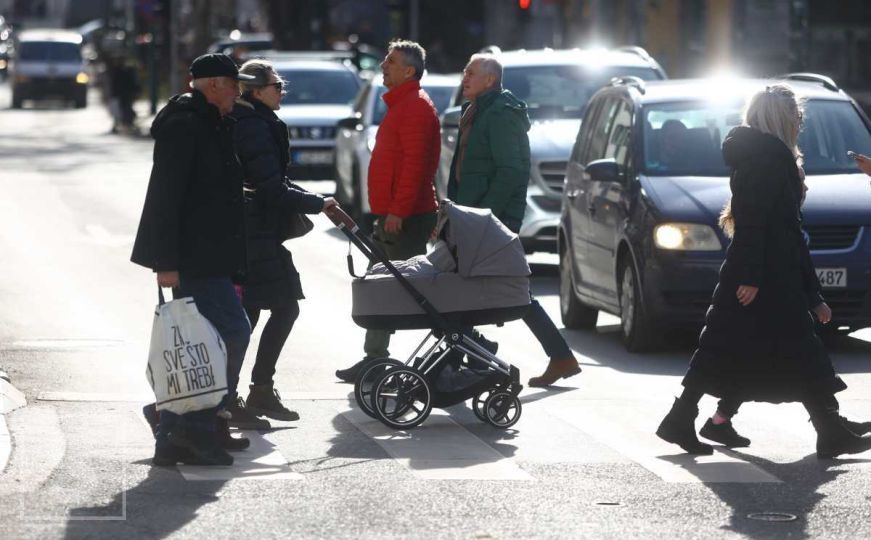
pixel 685 139
pixel 49 51
pixel 319 87
pixel 563 91
pixel 440 96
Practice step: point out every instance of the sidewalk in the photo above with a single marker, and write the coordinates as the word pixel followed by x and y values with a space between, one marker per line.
pixel 10 399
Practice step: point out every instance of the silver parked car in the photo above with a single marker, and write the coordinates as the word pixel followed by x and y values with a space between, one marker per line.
pixel 356 136
pixel 319 94
pixel 556 85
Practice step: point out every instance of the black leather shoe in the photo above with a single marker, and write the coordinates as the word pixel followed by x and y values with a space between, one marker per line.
pixel 859 428
pixel 724 434
pixel 202 450
pixel 349 375
pixel 834 438
pixel 169 455
pixel 227 441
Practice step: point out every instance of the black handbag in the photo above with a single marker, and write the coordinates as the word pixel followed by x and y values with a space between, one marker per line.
pixel 295 225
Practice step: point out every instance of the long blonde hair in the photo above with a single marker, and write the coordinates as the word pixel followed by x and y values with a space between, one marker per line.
pixel 774 110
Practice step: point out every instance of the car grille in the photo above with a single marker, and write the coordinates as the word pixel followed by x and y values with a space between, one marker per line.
pixel 824 237
pixel 553 173
pixel 312 132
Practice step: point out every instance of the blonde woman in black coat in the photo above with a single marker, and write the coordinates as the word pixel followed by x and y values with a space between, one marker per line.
pixel 759 342
pixel 272 282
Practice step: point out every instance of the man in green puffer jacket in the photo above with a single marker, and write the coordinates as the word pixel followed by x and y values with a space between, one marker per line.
pixel 490 169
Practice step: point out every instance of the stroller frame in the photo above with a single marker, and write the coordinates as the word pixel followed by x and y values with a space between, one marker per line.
pixel 389 390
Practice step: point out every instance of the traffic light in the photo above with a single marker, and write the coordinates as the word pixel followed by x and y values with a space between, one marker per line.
pixel 523 4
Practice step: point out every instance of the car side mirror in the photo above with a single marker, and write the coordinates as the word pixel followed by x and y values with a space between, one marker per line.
pixel 352 122
pixel 604 170
pixel 451 117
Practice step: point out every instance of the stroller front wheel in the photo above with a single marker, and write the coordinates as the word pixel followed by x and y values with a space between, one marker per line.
pixel 364 383
pixel 478 405
pixel 502 409
pixel 401 398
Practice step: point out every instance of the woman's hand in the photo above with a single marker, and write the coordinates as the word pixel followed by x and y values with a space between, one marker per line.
pixel 329 202
pixel 823 313
pixel 746 294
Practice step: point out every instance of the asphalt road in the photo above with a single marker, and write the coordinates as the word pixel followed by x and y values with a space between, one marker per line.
pixel 582 462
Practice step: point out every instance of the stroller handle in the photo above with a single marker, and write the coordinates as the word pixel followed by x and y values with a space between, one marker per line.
pixel 340 218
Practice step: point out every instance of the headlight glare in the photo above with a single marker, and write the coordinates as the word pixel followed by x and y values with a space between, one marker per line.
pixel 82 78
pixel 686 237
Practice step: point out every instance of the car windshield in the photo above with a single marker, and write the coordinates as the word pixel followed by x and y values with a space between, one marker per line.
pixel 440 96
pixel 685 139
pixel 319 87
pixel 563 91
pixel 49 51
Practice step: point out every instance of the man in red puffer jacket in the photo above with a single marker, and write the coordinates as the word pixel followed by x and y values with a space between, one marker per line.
pixel 401 173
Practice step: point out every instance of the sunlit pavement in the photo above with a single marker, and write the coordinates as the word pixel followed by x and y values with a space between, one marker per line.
pixel 582 461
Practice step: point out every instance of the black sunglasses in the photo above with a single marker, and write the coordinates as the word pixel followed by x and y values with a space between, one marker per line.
pixel 278 85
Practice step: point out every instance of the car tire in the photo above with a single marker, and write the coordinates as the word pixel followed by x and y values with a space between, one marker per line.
pixel 574 313
pixel 17 102
pixel 639 334
pixel 81 102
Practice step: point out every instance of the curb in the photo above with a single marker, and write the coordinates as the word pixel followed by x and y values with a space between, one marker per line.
pixel 10 399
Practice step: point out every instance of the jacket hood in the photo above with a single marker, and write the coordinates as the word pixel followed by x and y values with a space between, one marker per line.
pixel 194 102
pixel 505 99
pixel 744 144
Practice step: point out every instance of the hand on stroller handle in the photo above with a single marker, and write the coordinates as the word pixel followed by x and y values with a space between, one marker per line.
pixel 340 218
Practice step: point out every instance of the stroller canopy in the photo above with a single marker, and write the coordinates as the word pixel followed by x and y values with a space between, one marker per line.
pixel 484 246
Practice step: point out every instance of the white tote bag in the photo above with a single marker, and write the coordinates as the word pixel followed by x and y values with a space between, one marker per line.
pixel 187 361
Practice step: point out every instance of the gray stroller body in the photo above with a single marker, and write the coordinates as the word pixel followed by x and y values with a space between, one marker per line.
pixel 475 274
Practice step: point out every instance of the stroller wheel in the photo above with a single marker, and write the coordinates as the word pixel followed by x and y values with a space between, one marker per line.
pixel 478 405
pixel 401 398
pixel 502 409
pixel 364 383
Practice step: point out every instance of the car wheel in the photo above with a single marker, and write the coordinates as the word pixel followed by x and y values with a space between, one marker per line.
pixel 636 327
pixel 574 313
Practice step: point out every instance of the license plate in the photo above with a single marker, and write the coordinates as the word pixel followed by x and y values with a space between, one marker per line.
pixel 311 157
pixel 832 278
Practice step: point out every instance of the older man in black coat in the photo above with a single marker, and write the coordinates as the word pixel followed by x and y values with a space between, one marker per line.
pixel 192 235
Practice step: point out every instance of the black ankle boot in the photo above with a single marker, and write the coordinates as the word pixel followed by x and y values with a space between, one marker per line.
pixel 227 441
pixel 678 427
pixel 724 434
pixel 834 438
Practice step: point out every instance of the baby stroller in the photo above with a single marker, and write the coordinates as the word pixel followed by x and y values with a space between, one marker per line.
pixel 476 274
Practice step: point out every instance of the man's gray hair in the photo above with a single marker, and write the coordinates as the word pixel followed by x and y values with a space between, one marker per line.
pixel 413 54
pixel 490 64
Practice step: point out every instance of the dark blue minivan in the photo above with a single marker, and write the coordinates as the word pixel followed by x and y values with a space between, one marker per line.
pixel 646 182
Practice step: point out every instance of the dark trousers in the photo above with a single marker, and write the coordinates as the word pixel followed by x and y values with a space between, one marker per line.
pixel 272 340
pixel 545 331
pixel 410 241
pixel 217 301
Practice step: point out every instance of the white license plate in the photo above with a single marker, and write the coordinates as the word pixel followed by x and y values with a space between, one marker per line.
pixel 303 157
pixel 832 278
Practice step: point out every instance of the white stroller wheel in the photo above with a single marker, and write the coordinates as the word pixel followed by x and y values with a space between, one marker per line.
pixel 402 398
pixel 502 409
pixel 364 383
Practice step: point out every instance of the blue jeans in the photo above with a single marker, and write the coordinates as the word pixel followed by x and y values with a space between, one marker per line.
pixel 218 302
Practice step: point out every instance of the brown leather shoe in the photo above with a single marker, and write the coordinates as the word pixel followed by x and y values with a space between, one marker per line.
pixel 557 368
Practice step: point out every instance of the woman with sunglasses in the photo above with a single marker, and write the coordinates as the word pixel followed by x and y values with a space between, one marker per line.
pixel 272 282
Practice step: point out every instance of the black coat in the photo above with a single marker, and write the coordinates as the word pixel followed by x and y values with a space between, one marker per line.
pixel 192 220
pixel 262 144
pixel 768 350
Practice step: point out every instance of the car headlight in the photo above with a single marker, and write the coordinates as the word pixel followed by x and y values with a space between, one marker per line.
pixel 686 237
pixel 82 78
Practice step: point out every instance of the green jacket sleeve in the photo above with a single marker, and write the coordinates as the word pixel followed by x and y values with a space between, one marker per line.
pixel 508 145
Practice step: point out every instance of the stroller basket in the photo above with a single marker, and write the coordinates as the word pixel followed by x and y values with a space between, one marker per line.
pixel 476 275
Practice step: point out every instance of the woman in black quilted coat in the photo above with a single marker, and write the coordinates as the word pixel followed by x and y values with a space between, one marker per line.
pixel 272 281
pixel 759 342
